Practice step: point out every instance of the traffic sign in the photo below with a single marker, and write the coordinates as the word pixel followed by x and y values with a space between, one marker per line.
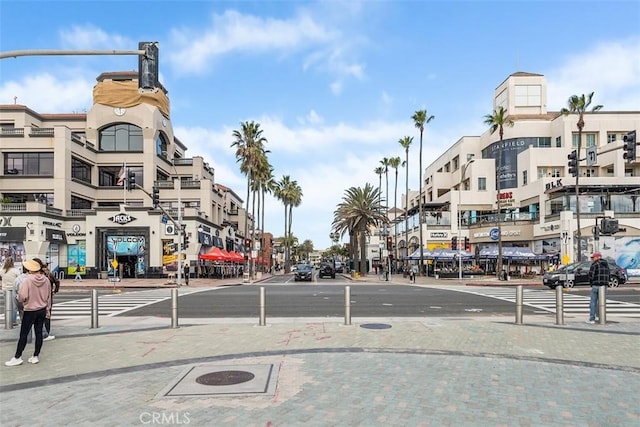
pixel 592 156
pixel 114 263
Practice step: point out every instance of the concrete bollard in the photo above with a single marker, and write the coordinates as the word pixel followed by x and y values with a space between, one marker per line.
pixel 602 304
pixel 263 311
pixel 519 305
pixel 94 308
pixel 347 305
pixel 174 308
pixel 559 305
pixel 8 309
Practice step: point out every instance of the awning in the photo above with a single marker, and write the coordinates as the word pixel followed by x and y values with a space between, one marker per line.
pixel 214 254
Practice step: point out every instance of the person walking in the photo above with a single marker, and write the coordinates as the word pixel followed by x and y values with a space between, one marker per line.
pixel 35 294
pixel 55 287
pixel 599 275
pixel 19 305
pixel 187 273
pixel 9 274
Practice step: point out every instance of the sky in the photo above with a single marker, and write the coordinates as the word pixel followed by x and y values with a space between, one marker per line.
pixel 333 84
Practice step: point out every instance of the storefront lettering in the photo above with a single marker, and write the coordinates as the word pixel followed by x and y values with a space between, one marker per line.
pixel 551 185
pixel 122 218
pixel 440 234
pixel 5 221
pixel 55 224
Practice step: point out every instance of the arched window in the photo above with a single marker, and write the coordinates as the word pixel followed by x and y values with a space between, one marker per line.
pixel 121 137
pixel 161 145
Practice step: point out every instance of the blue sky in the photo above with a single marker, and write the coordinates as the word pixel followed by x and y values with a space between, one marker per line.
pixel 333 84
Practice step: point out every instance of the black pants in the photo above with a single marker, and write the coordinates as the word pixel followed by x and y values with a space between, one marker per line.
pixel 31 319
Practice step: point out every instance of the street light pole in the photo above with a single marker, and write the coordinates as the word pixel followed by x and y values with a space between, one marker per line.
pixel 462 178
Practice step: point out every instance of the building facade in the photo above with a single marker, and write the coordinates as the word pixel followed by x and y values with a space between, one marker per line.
pixel 537 192
pixel 64 193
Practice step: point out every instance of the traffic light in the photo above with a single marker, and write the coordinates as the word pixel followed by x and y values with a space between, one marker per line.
pixel 148 66
pixel 185 240
pixel 131 180
pixel 573 163
pixel 467 244
pixel 454 243
pixel 609 226
pixel 389 243
pixel 156 197
pixel 630 147
pixel 247 244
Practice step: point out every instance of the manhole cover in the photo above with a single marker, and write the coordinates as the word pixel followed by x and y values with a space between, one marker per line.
pixel 375 326
pixel 225 378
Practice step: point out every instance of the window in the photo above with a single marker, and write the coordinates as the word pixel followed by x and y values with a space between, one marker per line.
pixel 542 172
pixel 558 141
pixel 456 163
pixel 482 183
pixel 79 203
pixel 543 141
pixel 525 177
pixel 611 137
pixel 610 171
pixel 591 139
pixel 161 146
pixel 33 164
pixel 574 140
pixel 114 176
pixel 121 137
pixel 590 172
pixel 528 96
pixel 80 170
pixel 555 173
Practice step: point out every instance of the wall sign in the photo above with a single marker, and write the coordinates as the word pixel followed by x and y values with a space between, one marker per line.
pixel 122 218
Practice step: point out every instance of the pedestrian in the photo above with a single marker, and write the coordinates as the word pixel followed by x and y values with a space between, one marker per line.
pixel 35 294
pixel 55 287
pixel 9 274
pixel 78 277
pixel 599 275
pixel 187 272
pixel 19 305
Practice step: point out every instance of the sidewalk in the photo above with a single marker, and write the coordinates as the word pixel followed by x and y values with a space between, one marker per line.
pixel 319 372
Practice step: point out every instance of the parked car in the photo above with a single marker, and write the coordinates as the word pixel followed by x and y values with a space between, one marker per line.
pixel 577 274
pixel 339 267
pixel 326 270
pixel 303 272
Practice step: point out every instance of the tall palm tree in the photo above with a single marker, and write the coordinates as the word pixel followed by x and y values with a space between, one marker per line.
pixel 394 162
pixel 249 144
pixel 406 143
pixel 359 211
pixel 289 192
pixel 379 171
pixel 497 121
pixel 421 118
pixel 385 165
pixel 579 105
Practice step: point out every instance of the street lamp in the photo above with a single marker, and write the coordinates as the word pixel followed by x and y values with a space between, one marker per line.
pixel 463 172
pixel 334 239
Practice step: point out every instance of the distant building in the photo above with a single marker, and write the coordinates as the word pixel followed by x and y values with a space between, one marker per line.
pixel 64 197
pixel 537 193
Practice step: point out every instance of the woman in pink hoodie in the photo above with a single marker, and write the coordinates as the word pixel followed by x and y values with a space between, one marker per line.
pixel 35 294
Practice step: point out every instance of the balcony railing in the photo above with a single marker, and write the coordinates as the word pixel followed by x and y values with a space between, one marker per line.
pixel 19 132
pixel 13 207
pixel 41 132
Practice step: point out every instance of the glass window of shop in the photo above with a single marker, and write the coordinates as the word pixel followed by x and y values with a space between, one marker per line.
pixel 80 170
pixel 121 137
pixel 38 164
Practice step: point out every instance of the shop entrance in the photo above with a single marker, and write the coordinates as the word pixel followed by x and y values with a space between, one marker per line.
pixel 127 266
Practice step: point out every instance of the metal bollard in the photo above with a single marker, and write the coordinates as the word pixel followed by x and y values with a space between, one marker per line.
pixel 519 305
pixel 8 309
pixel 602 304
pixel 94 308
pixel 263 321
pixel 559 305
pixel 174 307
pixel 347 305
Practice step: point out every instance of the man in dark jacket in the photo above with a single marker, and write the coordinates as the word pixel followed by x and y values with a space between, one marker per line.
pixel 599 275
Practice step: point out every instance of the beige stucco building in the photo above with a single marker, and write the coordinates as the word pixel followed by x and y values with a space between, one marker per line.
pixel 63 186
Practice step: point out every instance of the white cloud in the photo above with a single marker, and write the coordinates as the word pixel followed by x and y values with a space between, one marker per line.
pixel 92 37
pixel 611 69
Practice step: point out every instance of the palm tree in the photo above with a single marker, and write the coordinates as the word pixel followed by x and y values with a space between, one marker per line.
pixel 359 212
pixel 385 165
pixel 497 121
pixel 394 162
pixel 289 192
pixel 249 144
pixel 579 105
pixel 420 118
pixel 406 143
pixel 379 171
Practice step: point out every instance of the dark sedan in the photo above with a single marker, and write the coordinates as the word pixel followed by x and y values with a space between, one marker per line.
pixel 577 274
pixel 326 270
pixel 304 272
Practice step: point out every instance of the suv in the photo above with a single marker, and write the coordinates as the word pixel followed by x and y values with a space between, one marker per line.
pixel 303 272
pixel 326 270
pixel 577 274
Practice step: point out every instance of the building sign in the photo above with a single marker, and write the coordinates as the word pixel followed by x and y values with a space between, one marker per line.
pixel 550 227
pixel 553 185
pixel 12 234
pixel 75 231
pixel 122 218
pixel 507 171
pixel 439 234
pixel 56 236
pixel 506 199
pixel 493 233
pixel 53 224
pixel 205 239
